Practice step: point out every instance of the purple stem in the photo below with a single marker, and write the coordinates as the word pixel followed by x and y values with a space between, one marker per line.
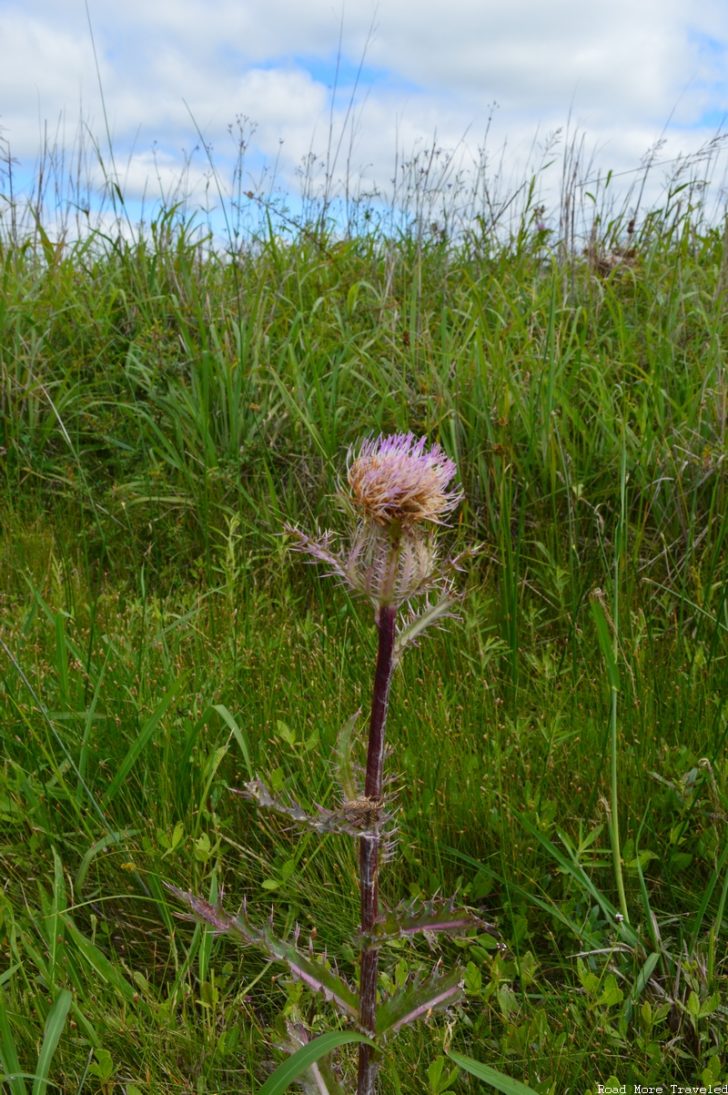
pixel 369 846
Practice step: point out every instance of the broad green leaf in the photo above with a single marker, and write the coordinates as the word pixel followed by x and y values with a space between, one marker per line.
pixel 438 1081
pixel 498 1080
pixel 710 1005
pixel 303 1058
pixel 319 1076
pixel 611 992
pixel 103 1067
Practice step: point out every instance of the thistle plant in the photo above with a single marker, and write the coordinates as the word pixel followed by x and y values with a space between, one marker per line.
pixel 399 493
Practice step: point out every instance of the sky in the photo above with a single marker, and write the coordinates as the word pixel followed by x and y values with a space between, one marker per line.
pixel 158 94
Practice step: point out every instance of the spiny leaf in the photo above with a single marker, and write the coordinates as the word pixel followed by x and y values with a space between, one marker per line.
pixel 356 817
pixel 312 971
pixel 317 976
pixel 429 615
pixel 430 916
pixel 257 791
pixel 344 758
pixel 417 1000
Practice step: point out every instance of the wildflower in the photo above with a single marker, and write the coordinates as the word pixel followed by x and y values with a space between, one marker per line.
pixel 397 486
pixel 395 480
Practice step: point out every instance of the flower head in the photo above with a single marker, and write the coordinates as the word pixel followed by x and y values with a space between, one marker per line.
pixel 400 490
pixel 396 480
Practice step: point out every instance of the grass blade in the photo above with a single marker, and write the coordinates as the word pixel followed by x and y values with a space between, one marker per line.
pixel 51 1035
pixel 237 733
pixel 496 1079
pixel 142 740
pixel 303 1058
pixel 12 1074
pixel 109 973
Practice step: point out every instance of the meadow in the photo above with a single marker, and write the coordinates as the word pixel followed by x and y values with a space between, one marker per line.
pixel 168 405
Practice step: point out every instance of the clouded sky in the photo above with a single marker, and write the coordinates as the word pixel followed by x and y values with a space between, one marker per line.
pixel 522 79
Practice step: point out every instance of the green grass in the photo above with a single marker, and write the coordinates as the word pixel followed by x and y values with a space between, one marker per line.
pixel 165 410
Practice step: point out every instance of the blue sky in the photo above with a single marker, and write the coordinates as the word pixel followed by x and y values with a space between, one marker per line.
pixel 619 77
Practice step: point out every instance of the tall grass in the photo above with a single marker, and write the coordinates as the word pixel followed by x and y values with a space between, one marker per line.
pixel 165 408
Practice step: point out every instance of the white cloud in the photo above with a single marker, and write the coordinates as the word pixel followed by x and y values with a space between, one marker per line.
pixel 606 58
pixel 45 73
pixel 620 71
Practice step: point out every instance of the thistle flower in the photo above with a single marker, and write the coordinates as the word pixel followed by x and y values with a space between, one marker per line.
pixel 398 487
pixel 395 481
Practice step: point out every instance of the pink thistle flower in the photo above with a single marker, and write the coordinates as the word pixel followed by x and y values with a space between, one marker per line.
pixel 395 480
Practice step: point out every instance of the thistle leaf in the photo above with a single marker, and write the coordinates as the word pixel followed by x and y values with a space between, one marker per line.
pixel 417 1000
pixel 320 552
pixel 344 758
pixel 430 916
pixel 312 971
pixel 320 549
pixel 317 976
pixel 257 791
pixel 429 615
pixel 356 817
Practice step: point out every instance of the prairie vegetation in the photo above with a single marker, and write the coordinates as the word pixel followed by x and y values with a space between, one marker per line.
pixel 168 404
